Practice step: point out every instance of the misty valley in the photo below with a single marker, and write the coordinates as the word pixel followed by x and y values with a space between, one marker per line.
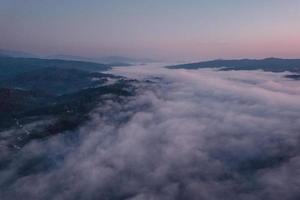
pixel 149 100
pixel 223 129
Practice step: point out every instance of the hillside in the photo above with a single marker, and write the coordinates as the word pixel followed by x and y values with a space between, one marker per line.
pixel 13 66
pixel 268 64
pixel 47 101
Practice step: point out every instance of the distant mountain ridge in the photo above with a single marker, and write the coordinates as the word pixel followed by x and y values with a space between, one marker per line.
pixel 13 66
pixel 267 64
pixel 109 60
pixel 70 58
pixel 122 59
pixel 19 54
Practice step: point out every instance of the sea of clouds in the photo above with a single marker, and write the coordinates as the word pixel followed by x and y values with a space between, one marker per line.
pixel 187 134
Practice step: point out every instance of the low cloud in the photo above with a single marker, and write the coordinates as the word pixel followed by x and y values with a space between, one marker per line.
pixel 188 134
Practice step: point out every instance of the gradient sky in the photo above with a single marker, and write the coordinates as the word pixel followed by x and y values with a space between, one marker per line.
pixel 162 29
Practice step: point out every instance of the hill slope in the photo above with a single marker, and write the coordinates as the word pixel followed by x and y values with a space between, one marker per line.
pixel 268 64
pixel 13 66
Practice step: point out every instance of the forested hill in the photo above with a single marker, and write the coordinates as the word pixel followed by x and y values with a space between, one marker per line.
pixel 10 66
pixel 268 64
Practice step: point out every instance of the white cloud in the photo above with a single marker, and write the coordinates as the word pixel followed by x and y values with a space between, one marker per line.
pixel 188 135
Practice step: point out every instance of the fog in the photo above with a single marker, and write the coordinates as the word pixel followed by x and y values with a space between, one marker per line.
pixel 187 134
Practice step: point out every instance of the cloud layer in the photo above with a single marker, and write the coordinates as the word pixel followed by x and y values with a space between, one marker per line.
pixel 197 134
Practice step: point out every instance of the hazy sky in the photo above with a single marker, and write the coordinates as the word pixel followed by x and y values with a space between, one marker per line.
pixel 162 29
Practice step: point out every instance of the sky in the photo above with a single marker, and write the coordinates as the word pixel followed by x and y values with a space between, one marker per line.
pixel 173 30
